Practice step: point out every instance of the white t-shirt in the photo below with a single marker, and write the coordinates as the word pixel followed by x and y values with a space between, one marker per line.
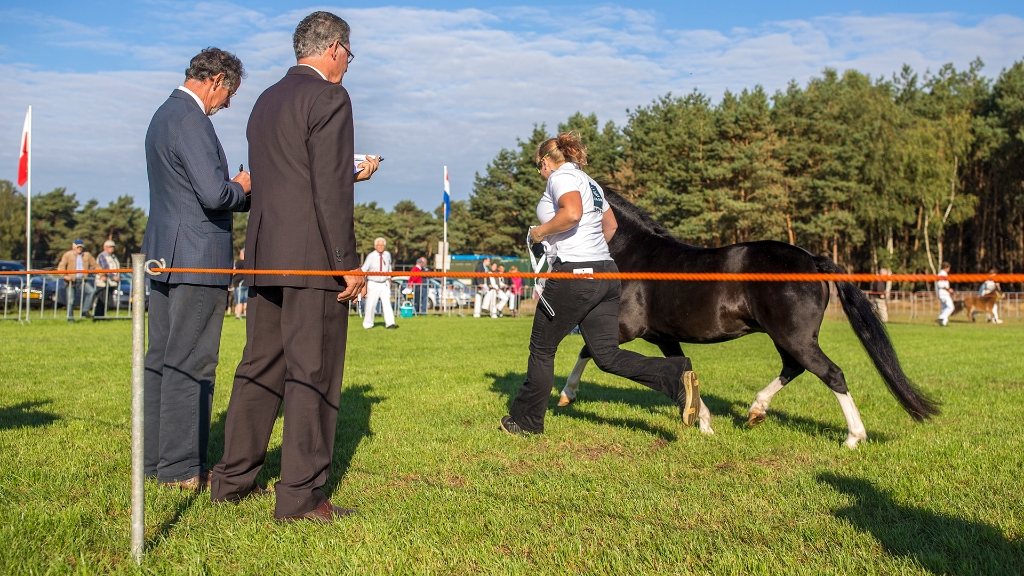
pixel 987 287
pixel 584 242
pixel 941 285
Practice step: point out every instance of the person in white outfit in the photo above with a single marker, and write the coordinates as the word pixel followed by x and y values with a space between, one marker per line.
pixel 481 287
pixel 945 294
pixel 378 288
pixel 988 287
pixel 496 292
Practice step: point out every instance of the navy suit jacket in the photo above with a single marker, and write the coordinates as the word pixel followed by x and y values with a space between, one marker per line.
pixel 191 196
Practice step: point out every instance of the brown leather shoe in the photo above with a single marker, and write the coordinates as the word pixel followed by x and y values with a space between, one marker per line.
pixel 257 491
pixel 325 513
pixel 197 483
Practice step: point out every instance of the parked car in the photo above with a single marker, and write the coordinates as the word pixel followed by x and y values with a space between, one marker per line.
pixel 11 285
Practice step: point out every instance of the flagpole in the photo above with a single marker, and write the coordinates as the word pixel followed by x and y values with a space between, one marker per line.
pixel 28 198
pixel 444 248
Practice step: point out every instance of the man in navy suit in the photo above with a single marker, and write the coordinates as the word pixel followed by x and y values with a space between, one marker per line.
pixel 191 200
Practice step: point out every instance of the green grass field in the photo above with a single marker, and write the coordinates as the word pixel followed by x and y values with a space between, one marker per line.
pixel 617 485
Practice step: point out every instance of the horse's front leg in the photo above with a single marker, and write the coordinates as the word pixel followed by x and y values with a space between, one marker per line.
pixel 705 419
pixel 572 384
pixel 759 408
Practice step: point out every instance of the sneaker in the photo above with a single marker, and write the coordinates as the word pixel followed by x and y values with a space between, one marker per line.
pixel 512 427
pixel 688 397
pixel 392 327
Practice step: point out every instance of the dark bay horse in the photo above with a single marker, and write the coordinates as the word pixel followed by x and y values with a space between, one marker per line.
pixel 668 313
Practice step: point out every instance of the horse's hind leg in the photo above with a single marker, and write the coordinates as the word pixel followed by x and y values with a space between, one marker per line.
pixel 817 363
pixel 790 370
pixel 572 384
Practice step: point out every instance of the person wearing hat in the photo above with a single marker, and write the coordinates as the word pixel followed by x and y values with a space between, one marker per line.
pixel 78 284
pixel 106 284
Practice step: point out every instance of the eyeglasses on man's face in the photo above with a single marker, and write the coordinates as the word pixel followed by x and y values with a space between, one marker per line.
pixel 351 56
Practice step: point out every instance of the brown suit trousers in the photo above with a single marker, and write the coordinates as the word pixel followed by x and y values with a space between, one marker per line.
pixel 295 353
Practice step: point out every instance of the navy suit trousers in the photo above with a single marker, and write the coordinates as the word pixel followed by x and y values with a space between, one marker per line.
pixel 185 323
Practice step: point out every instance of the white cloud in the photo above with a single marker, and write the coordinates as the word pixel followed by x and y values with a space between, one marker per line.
pixel 435 87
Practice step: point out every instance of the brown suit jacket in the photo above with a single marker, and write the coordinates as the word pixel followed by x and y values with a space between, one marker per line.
pixel 69 261
pixel 300 154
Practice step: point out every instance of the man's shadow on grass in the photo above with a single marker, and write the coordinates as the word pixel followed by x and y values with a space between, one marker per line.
pixel 27 415
pixel 508 384
pixel 354 410
pixel 940 543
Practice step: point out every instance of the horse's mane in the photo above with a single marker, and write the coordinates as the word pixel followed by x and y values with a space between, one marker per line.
pixel 629 213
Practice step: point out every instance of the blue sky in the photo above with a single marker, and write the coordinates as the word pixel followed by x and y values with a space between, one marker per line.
pixel 444 82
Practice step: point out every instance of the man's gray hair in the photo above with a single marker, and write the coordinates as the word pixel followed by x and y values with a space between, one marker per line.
pixel 380 240
pixel 317 32
pixel 213 61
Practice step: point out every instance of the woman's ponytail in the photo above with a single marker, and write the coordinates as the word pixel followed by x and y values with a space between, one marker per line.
pixel 566 147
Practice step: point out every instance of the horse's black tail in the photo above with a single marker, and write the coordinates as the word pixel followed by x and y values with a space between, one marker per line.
pixel 875 339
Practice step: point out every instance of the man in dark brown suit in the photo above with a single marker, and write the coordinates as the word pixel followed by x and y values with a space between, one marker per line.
pixel 300 152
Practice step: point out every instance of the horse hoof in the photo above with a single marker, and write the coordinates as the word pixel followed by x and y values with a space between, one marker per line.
pixel 756 418
pixel 564 400
pixel 707 430
pixel 852 441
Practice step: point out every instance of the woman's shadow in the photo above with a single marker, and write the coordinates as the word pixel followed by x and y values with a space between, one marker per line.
pixel 941 544
pixel 508 385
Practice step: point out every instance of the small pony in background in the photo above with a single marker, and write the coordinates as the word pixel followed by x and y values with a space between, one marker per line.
pixel 987 301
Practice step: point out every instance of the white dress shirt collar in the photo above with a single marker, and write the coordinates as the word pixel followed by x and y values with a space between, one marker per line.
pixel 314 68
pixel 193 95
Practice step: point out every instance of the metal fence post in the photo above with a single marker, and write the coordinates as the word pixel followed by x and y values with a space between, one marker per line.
pixel 138 353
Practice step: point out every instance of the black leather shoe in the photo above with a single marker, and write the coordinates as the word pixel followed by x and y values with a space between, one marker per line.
pixel 512 427
pixel 325 513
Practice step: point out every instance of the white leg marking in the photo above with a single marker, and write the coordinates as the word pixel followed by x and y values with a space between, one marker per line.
pixel 856 427
pixel 705 419
pixel 759 409
pixel 572 384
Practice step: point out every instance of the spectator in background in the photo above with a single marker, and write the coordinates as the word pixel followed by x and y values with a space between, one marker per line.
pixel 481 285
pixel 238 285
pixel 378 288
pixel 945 294
pixel 516 292
pixel 78 284
pixel 880 294
pixel 990 286
pixel 419 287
pixel 496 296
pixel 106 284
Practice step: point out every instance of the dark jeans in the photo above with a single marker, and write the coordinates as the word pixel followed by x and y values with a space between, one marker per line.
pixel 294 355
pixel 185 323
pixel 419 297
pixel 594 306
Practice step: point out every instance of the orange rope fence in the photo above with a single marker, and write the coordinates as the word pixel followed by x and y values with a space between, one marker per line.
pixel 658 276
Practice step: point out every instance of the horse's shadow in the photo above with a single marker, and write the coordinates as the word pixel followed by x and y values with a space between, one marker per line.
pixel 27 415
pixel 508 384
pixel 940 543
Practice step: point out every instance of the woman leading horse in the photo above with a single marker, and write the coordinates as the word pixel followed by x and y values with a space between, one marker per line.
pixel 576 224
